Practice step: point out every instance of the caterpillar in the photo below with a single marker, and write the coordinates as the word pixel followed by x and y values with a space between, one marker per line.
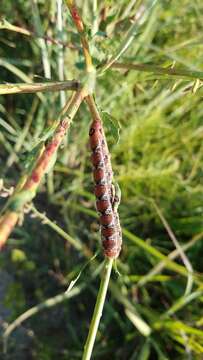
pixel 104 190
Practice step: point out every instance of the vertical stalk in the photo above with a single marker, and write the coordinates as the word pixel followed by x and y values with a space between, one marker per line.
pixel 95 20
pixel 60 49
pixel 81 30
pixel 98 309
pixel 41 41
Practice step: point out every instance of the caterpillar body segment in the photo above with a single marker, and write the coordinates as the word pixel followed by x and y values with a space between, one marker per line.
pixel 105 192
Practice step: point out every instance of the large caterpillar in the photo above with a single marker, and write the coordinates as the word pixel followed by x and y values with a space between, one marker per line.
pixel 106 202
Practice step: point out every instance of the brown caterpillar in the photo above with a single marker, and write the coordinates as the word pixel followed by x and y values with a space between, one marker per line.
pixel 104 191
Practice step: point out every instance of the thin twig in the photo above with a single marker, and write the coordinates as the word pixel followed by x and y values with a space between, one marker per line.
pixel 81 30
pixel 60 48
pixel 158 70
pixel 26 88
pixel 43 217
pixel 53 301
pixel 173 255
pixel 157 254
pixel 183 256
pixel 5 25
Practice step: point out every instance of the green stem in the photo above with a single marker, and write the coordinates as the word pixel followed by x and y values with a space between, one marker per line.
pixel 75 242
pixel 98 309
pixel 81 31
pixel 60 48
pixel 41 41
pixel 191 74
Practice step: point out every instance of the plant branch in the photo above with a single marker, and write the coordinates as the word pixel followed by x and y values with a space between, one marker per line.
pixel 48 303
pixel 76 243
pixel 81 30
pixel 60 49
pixel 180 73
pixel 23 88
pixel 31 182
pixel 5 25
pixel 98 309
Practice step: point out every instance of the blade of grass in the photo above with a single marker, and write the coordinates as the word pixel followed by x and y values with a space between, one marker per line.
pixel 183 256
pixel 41 41
pixel 160 266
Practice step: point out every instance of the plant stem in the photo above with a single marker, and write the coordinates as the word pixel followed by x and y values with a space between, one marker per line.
pixel 173 255
pixel 81 30
pixel 95 17
pixel 41 41
pixel 5 25
pixel 98 309
pixel 53 301
pixel 76 243
pixel 60 49
pixel 21 88
pixel 191 74
pixel 32 180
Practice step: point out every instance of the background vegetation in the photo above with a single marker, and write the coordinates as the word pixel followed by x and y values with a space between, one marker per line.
pixel 157 163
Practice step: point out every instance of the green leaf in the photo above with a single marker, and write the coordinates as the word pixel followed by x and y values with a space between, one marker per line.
pixel 112 125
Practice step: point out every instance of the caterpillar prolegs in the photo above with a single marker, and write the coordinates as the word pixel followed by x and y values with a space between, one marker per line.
pixel 105 192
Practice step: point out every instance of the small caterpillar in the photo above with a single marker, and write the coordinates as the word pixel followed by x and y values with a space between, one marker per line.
pixel 104 191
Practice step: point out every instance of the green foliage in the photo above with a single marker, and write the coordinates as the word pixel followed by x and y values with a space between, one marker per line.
pixel 112 125
pixel 18 255
pixel 154 128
